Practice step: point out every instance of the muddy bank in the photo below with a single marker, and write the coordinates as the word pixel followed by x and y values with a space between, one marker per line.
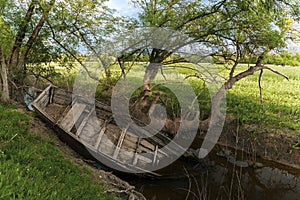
pixel 257 141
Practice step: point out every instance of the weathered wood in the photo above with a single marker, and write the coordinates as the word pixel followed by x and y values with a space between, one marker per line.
pixel 73 115
pixel 44 93
pixel 144 159
pixel 102 131
pixel 91 130
pixel 143 142
pixel 106 146
pixel 103 106
pixel 155 155
pixel 148 144
pixel 51 95
pixel 44 101
pixel 136 152
pixel 61 100
pixel 98 133
pixel 125 156
pixel 83 123
pixel 122 136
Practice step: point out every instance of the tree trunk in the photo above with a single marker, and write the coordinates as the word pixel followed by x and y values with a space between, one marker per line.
pixel 142 106
pixel 150 74
pixel 4 77
pixel 142 102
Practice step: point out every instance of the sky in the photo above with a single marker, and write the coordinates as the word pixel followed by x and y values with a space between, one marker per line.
pixel 123 7
pixel 127 8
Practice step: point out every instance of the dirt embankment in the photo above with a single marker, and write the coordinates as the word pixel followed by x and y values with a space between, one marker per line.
pixel 114 184
pixel 278 145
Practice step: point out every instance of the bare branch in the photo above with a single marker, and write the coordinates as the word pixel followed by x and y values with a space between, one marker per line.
pixel 277 72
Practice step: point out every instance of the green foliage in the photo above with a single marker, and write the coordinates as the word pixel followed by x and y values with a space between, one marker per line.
pixel 229 29
pixel 6 36
pixel 32 168
pixel 284 58
pixel 36 33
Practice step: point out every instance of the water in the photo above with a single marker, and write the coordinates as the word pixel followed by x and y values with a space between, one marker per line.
pixel 216 178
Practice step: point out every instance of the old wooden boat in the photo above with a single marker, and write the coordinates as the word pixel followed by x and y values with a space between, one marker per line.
pixel 89 129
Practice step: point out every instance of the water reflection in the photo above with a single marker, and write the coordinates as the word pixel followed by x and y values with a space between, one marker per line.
pixel 219 179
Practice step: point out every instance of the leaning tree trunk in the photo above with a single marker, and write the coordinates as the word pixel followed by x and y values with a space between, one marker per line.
pixel 142 105
pixel 217 99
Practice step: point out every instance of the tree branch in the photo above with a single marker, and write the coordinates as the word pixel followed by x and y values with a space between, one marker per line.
pixel 215 10
pixel 276 72
pixel 259 85
pixel 37 30
pixel 21 33
pixel 72 54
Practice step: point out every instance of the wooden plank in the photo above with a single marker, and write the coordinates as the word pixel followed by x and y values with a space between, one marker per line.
pixel 125 156
pixel 44 93
pixel 62 100
pixel 136 153
pixel 44 101
pixel 61 92
pixel 102 131
pixel 51 95
pixel 148 144
pixel 43 113
pixel 121 139
pixel 144 159
pixel 155 155
pixel 106 147
pixel 131 141
pixel 161 141
pixel 72 116
pixel 61 96
pixel 103 106
pixel 83 123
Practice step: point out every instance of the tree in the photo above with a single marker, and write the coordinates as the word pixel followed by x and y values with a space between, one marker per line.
pixel 51 28
pixel 5 38
pixel 231 30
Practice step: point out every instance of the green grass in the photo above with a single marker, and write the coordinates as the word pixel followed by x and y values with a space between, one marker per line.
pixel 281 99
pixel 32 168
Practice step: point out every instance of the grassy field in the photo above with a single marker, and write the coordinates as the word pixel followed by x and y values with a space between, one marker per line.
pixel 281 98
pixel 32 168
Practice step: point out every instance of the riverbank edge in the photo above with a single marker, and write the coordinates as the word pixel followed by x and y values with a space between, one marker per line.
pixel 260 142
pixel 118 187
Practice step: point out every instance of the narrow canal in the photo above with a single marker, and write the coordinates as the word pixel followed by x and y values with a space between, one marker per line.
pixel 217 177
